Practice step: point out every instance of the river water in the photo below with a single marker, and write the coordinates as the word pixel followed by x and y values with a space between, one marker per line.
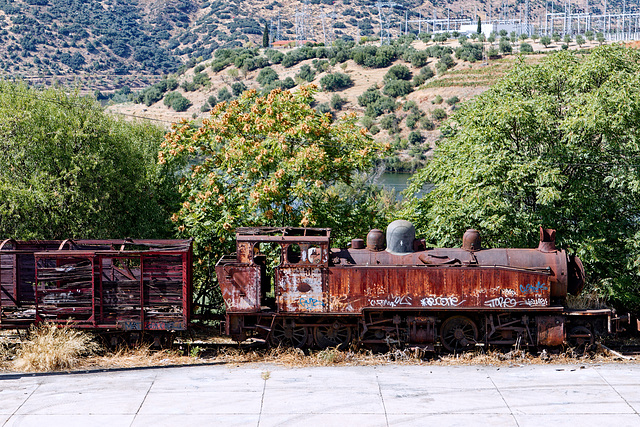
pixel 399 182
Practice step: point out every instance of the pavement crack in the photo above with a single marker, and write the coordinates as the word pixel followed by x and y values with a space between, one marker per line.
pixel 21 405
pixel 143 400
pixel 384 407
pixel 504 400
pixel 264 389
pixel 617 392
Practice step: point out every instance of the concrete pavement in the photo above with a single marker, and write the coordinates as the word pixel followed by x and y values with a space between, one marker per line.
pixel 270 395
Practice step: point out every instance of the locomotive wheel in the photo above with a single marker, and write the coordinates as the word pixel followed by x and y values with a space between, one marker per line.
pixel 580 338
pixel 288 335
pixel 458 333
pixel 336 335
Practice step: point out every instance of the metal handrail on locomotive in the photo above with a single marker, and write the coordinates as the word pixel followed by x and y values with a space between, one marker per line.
pixel 392 290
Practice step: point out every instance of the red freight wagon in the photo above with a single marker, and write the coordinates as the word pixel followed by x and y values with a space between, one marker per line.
pixel 115 285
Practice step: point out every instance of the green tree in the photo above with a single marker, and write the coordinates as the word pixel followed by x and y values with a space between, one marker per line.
pixel 265 36
pixel 479 29
pixel 526 48
pixel 600 38
pixel 545 40
pixel 335 81
pixel 552 144
pixel 270 161
pixel 579 40
pixel 68 170
pixel 505 46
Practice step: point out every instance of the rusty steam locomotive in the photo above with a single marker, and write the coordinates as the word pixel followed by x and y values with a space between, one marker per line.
pixel 391 290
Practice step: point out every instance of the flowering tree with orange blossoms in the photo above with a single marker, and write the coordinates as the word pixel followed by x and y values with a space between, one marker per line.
pixel 269 161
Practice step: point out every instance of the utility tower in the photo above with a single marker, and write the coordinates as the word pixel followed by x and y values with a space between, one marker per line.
pixel 383 17
pixel 328 37
pixel 303 26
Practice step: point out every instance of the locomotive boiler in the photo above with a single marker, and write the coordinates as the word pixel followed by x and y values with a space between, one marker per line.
pixel 392 290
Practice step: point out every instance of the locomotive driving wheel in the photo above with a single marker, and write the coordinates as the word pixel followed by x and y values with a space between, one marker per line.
pixel 289 335
pixel 335 335
pixel 458 333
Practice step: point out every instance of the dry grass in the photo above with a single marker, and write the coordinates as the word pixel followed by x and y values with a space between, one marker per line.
pixel 50 348
pixel 138 356
pixel 333 357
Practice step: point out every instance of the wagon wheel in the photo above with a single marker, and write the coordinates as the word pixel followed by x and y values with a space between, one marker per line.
pixel 580 338
pixel 335 335
pixel 458 333
pixel 289 335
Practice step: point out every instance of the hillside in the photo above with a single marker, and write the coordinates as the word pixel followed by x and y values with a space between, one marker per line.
pixel 403 99
pixel 107 44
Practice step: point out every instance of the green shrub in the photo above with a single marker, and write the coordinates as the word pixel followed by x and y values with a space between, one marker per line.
pixel 412 119
pixel 397 72
pixel 445 63
pixel 201 79
pixel 238 88
pixel 427 72
pixel 526 48
pixel 274 56
pixel 306 73
pixel 321 65
pixel 439 114
pixel 505 46
pixel 397 88
pixel 337 102
pixel 415 138
pixel 385 104
pixel 176 101
pixel 419 58
pixel 287 83
pixel 152 96
pixel 224 94
pixel 437 100
pixel 266 76
pixel 390 123
pixel 370 96
pixel 335 81
pixel 469 52
pixel 409 105
pixel 367 122
pixel 453 100
pixel 427 124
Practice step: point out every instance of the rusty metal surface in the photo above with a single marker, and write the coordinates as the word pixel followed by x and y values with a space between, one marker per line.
pixel 133 290
pixel 240 286
pixel 301 289
pixel 86 282
pixel 354 288
pixel 555 262
pixel 551 331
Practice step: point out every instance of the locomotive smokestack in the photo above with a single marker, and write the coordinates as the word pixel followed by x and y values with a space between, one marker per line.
pixel 471 240
pixel 547 240
pixel 375 240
